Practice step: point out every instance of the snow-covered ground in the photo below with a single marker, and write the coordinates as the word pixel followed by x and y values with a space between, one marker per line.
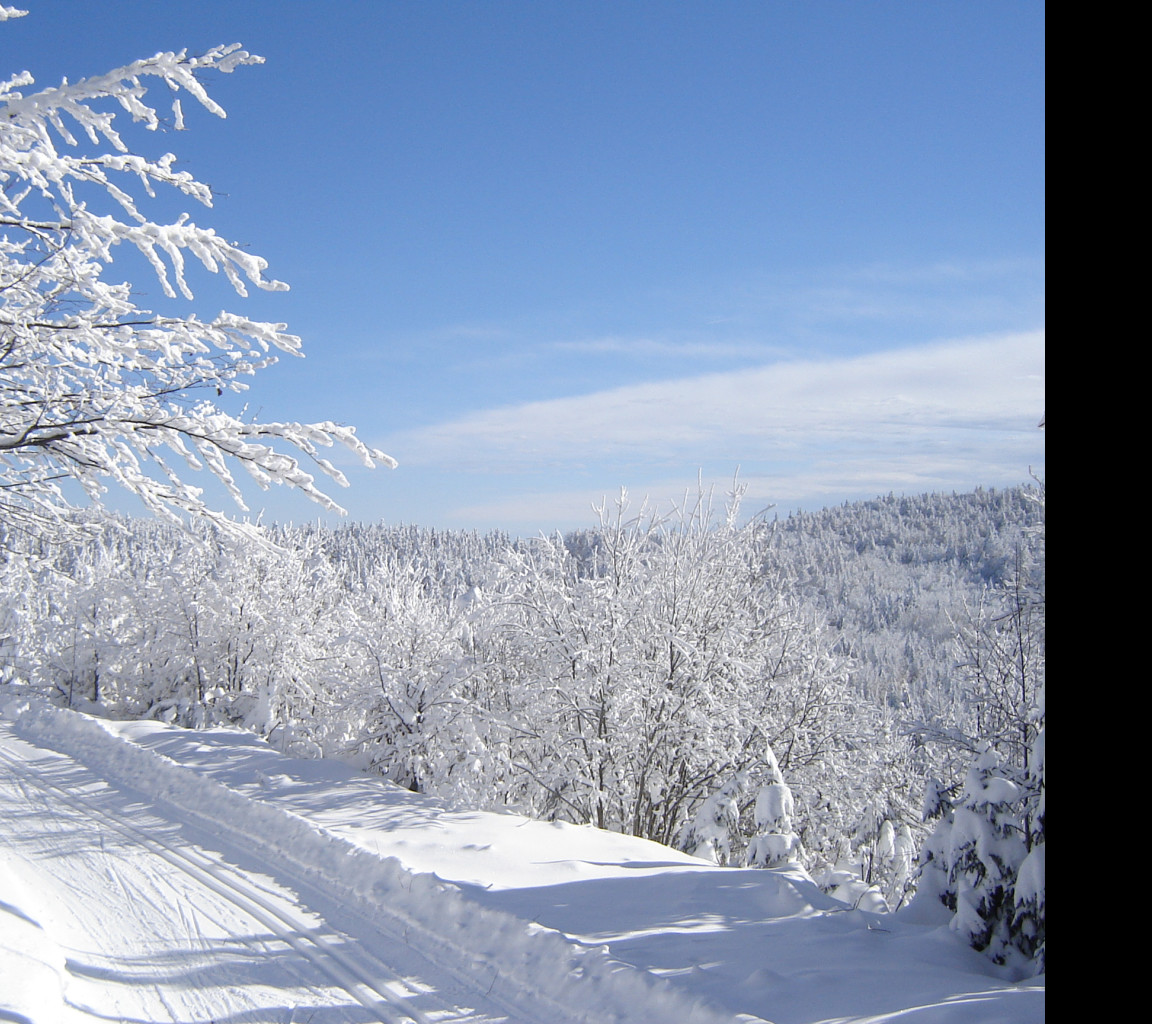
pixel 153 874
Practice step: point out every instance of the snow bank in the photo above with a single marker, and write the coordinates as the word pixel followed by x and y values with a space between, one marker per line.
pixel 523 964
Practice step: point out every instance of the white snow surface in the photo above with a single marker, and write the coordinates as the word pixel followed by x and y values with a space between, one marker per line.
pixel 149 873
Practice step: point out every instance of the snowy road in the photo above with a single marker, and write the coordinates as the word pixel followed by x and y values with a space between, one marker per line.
pixel 145 918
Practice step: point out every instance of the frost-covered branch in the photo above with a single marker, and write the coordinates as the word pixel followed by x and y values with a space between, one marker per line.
pixel 92 387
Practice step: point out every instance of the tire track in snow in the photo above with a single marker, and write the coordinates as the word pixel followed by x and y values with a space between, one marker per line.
pixel 386 1005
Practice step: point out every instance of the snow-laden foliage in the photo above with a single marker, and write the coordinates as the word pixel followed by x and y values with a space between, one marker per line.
pixel 93 388
pixel 629 674
pixel 661 661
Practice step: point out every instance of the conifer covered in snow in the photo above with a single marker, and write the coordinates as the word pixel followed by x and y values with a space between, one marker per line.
pixel 775 842
pixel 894 866
pixel 986 850
pixel 932 869
pixel 713 833
pixel 1029 918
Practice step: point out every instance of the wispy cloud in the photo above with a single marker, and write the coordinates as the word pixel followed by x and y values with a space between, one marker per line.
pixel 955 414
pixel 806 433
pixel 781 410
pixel 965 298
pixel 652 347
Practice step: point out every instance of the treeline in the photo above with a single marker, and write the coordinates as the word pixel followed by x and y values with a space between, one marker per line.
pixel 622 675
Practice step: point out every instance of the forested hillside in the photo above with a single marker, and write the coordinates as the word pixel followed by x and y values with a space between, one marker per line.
pixel 644 675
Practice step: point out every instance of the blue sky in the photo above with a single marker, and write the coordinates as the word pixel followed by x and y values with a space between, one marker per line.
pixel 541 250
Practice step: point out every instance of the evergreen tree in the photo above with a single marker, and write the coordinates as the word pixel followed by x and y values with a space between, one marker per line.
pixel 775 842
pixel 1028 922
pixel 986 850
pixel 714 831
pixel 932 870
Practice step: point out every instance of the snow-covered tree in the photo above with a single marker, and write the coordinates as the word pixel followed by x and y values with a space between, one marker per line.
pixel 1029 919
pixel 932 869
pixel 991 847
pixel 775 842
pixel 714 830
pixel 412 685
pixel 986 850
pixel 94 388
pixel 661 657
